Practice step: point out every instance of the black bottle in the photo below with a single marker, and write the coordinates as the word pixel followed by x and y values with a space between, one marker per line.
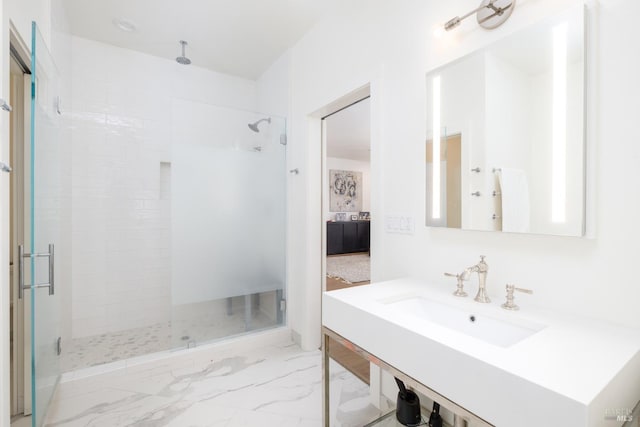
pixel 435 420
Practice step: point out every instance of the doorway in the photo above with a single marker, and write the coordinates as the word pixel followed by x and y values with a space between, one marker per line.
pixel 19 317
pixel 346 210
pixel 347 191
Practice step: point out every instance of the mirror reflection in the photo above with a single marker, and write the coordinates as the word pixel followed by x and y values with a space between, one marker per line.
pixel 505 144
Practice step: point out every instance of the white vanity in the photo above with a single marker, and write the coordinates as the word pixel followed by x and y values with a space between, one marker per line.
pixel 526 368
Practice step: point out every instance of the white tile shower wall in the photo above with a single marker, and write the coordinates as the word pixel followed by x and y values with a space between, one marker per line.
pixel 61 51
pixel 122 122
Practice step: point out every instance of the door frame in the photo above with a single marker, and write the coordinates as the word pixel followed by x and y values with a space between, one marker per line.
pixel 308 324
pixel 20 388
pixel 337 105
pixel 365 94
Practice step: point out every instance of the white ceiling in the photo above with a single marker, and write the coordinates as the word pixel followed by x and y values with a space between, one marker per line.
pixel 237 37
pixel 349 132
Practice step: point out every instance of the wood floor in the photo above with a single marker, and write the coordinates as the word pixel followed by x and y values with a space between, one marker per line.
pixel 334 284
pixel 351 360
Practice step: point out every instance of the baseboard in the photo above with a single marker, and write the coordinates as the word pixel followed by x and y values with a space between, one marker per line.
pixel 296 337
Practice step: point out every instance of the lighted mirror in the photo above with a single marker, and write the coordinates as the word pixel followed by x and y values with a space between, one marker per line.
pixel 505 144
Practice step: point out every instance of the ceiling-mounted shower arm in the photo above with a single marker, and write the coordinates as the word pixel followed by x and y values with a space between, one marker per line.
pixel 183 59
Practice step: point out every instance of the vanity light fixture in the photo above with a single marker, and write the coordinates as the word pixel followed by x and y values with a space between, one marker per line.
pixel 490 14
pixel 435 191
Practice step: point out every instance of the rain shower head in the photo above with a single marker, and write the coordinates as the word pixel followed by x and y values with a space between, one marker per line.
pixel 183 59
pixel 254 126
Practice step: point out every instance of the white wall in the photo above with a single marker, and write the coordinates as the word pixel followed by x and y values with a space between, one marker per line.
pixel 273 87
pixel 391 45
pixel 122 131
pixel 351 165
pixel 23 12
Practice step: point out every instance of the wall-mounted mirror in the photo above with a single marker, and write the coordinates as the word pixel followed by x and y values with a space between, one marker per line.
pixel 505 144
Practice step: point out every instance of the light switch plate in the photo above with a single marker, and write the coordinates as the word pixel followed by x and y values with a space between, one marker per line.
pixel 400 224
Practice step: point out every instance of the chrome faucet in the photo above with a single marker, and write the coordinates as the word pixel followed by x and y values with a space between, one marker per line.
pixel 481 268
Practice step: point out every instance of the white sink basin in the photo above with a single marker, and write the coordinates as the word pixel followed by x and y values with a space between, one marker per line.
pixel 491 330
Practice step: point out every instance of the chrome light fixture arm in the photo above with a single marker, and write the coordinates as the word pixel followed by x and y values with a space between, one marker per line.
pixel 490 14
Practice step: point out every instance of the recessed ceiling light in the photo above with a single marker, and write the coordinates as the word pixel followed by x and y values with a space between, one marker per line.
pixel 124 25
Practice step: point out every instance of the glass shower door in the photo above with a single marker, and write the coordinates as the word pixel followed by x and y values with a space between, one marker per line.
pixel 43 229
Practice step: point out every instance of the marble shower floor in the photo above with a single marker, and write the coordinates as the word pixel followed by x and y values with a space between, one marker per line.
pixel 111 347
pixel 278 385
pixel 200 327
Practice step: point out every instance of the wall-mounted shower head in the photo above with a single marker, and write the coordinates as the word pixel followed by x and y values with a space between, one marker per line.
pixel 254 126
pixel 183 59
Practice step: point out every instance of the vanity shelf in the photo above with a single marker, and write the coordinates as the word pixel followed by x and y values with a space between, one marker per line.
pixel 329 336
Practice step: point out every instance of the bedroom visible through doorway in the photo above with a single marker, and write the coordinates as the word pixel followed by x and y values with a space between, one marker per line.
pixel 347 196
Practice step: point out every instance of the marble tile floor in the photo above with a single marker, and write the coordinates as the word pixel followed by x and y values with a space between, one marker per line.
pixel 195 328
pixel 275 385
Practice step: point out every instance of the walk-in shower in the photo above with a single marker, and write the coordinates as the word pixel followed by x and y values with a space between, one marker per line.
pixel 167 214
pixel 189 244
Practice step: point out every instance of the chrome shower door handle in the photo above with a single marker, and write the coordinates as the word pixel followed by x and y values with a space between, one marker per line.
pixel 52 270
pixel 50 284
pixel 20 271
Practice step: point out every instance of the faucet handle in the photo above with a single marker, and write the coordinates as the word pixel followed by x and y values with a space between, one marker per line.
pixel 509 304
pixel 459 292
